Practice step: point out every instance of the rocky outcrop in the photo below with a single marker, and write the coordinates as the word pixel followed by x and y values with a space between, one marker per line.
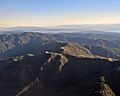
pixel 55 57
pixel 103 88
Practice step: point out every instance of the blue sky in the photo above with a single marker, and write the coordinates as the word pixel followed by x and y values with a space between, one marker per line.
pixel 58 12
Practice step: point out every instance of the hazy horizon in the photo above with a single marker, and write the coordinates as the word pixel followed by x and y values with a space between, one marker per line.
pixel 62 12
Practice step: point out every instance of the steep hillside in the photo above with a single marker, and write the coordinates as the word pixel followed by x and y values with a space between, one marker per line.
pixel 103 45
pixel 99 43
pixel 23 43
pixel 56 74
pixel 110 40
pixel 78 76
pixel 76 50
pixel 104 52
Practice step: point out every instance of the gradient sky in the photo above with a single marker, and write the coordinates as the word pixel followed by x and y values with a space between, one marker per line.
pixel 58 12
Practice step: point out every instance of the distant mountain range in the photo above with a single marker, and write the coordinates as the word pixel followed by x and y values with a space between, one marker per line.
pixel 101 44
pixel 83 63
pixel 68 28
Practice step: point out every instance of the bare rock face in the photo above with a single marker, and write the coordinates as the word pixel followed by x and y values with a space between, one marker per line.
pixel 103 88
pixel 57 56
